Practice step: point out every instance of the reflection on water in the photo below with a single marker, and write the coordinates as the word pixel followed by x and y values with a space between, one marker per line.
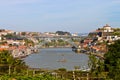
pixel 54 58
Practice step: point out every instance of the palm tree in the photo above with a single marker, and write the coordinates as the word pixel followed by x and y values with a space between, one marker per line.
pixel 8 63
pixel 5 60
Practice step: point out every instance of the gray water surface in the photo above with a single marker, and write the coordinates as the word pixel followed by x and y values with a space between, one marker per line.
pixel 55 58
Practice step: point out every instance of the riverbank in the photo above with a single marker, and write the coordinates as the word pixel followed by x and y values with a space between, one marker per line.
pixel 22 51
pixel 56 47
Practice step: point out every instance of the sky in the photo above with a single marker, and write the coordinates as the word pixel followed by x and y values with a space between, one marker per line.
pixel 75 16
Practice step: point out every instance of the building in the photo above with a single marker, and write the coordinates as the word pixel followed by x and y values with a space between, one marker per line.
pixel 104 34
pixel 107 28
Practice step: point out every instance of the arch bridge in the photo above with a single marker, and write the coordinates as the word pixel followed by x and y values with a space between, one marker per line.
pixel 75 47
pixel 47 40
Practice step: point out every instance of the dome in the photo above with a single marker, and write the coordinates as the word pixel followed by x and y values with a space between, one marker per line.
pixel 106 25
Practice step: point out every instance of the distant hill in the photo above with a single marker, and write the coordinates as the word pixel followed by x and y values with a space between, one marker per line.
pixel 62 33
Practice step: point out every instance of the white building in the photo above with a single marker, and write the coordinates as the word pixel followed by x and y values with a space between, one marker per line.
pixel 107 28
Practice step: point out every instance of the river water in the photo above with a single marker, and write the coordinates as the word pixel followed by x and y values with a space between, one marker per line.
pixel 55 58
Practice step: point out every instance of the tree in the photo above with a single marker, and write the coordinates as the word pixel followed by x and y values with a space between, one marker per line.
pixel 112 60
pixel 23 33
pixel 29 42
pixel 7 60
pixel 97 66
pixel 93 64
pixel 62 33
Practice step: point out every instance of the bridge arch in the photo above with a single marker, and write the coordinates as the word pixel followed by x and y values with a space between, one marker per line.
pixel 47 40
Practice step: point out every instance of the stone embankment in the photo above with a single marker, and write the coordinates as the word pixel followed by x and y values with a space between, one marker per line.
pixel 23 52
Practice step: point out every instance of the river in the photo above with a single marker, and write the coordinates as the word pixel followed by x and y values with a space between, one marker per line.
pixel 55 58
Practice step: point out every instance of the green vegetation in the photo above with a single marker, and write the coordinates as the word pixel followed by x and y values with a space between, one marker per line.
pixel 107 69
pixel 112 61
pixel 23 33
pixel 23 77
pixel 10 65
pixel 3 42
pixel 15 69
pixel 29 42
pixel 12 36
pixel 62 33
pixel 97 67
pixel 56 43
pixel 110 66
pixel 116 29
pixel 116 33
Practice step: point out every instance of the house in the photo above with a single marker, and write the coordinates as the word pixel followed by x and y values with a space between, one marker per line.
pixel 2 49
pixel 74 34
pixel 5 46
pixel 15 42
pixel 5 32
